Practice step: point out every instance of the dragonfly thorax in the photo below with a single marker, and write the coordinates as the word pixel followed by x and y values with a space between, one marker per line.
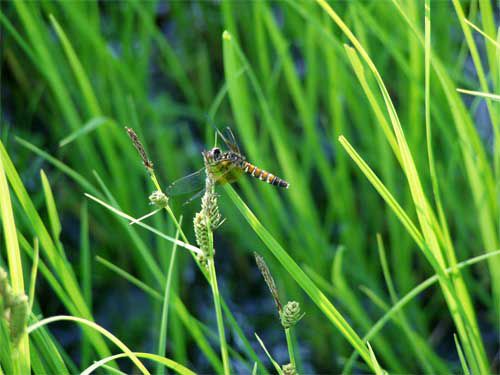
pixel 216 155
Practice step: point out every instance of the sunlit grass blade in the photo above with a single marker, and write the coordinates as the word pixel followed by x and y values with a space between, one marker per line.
pixel 127 352
pixel 21 353
pixel 485 95
pixel 177 367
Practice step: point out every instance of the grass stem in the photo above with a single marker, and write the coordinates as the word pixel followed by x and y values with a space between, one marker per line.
pixel 289 344
pixel 218 313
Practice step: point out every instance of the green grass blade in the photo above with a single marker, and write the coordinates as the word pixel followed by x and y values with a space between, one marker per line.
pixel 162 337
pixel 463 362
pixel 91 125
pixel 96 328
pixel 485 95
pixel 21 353
pixel 86 274
pixel 274 363
pixel 34 274
pixel 55 224
pixel 177 367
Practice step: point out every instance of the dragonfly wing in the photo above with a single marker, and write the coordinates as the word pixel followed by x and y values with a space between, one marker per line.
pixel 229 139
pixel 195 182
pixel 187 184
pixel 194 197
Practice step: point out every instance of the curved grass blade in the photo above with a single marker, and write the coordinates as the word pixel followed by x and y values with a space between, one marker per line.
pixel 161 360
pixel 88 127
pixel 127 352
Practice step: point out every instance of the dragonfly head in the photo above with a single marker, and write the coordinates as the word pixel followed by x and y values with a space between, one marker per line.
pixel 213 155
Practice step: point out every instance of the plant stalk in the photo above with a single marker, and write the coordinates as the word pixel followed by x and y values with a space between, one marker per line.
pixel 289 344
pixel 218 313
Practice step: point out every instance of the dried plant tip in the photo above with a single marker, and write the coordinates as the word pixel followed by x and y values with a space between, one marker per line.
pixel 291 314
pixel 18 318
pixel 158 199
pixel 289 369
pixel 140 148
pixel 264 270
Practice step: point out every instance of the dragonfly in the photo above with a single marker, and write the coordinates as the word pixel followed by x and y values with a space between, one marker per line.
pixel 224 167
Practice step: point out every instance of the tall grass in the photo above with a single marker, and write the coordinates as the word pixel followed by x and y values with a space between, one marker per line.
pixel 382 116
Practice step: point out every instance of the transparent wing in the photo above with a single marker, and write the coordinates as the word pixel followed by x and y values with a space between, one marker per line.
pixel 187 184
pixel 229 139
pixel 195 182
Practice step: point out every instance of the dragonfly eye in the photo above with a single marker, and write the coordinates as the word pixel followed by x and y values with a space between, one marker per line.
pixel 216 153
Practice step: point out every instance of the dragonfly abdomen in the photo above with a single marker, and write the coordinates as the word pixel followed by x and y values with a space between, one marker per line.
pixel 264 175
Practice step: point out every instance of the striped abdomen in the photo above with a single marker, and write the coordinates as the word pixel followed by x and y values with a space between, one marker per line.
pixel 264 175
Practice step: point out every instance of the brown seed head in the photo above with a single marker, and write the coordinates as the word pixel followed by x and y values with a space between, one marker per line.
pixel 139 147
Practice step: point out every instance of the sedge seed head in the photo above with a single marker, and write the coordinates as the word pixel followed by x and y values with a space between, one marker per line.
pixel 140 148
pixel 159 199
pixel 289 369
pixel 268 278
pixel 291 314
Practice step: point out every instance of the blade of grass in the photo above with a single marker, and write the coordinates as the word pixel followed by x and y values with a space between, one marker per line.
pixel 21 353
pixel 177 367
pixel 463 362
pixel 162 337
pixel 485 95
pixel 86 274
pixel 274 363
pixel 127 352
pixel 34 273
pixel 378 369
pixel 55 224
pixel 88 127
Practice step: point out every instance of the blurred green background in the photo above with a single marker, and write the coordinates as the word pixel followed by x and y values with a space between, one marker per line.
pixel 75 73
